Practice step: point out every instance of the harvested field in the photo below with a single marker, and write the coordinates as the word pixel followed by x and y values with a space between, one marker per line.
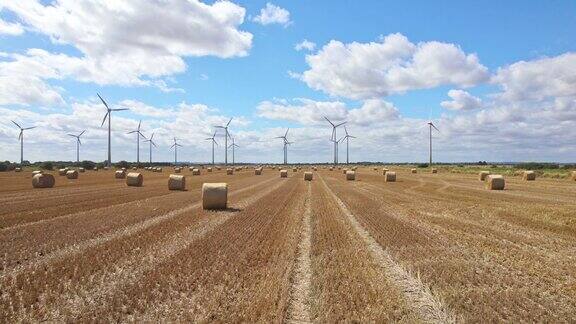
pixel 426 248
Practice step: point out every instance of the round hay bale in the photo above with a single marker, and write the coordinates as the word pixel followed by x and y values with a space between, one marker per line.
pixel 414 171
pixel 18 170
pixel 482 175
pixel 42 180
pixel 106 168
pixel 495 182
pixel 529 176
pixel 134 179
pixel 35 172
pixel 314 169
pixel 218 168
pixel 351 175
pixel 95 169
pixel 283 173
pixel 375 169
pixel 209 169
pixel 177 170
pixel 330 169
pixel 434 170
pixel 62 172
pixel 294 170
pixel 344 171
pixel 123 169
pixel 308 176
pixel 258 171
pixel 81 170
pixel 214 195
pixel 390 176
pixel 120 174
pixel 72 174
pixel 384 171
pixel 134 168
pixel 176 182
pixel 573 176
pixel 229 171
pixel 354 168
pixel 195 172
pixel 159 169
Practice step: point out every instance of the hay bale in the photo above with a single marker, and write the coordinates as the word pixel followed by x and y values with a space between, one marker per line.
pixel 294 170
pixel 218 168
pixel 375 169
pixel 176 182
pixel 330 169
pixel 258 171
pixel 81 170
pixel 354 168
pixel 314 169
pixel 134 168
pixel 158 169
pixel 414 171
pixel 283 173
pixel 120 174
pixel 344 171
pixel 495 182
pixel 72 174
pixel 384 171
pixel 95 169
pixel 390 176
pixel 42 180
pixel 308 176
pixel 434 170
pixel 134 179
pixel 209 169
pixel 18 170
pixel 229 171
pixel 62 172
pixel 195 172
pixel 482 175
pixel 573 176
pixel 351 175
pixel 529 176
pixel 123 169
pixel 214 195
pixel 106 168
pixel 177 170
pixel 35 172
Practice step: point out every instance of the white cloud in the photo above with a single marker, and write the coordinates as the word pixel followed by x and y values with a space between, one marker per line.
pixel 461 100
pixel 393 65
pixel 148 42
pixel 12 29
pixel 305 45
pixel 272 14
pixel 538 79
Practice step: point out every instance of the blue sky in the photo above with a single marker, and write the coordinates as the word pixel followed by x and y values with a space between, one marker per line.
pixel 250 79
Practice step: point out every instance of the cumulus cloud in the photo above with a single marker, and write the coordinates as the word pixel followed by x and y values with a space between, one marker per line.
pixel 461 100
pixel 12 29
pixel 305 45
pixel 149 42
pixel 392 65
pixel 538 79
pixel 272 14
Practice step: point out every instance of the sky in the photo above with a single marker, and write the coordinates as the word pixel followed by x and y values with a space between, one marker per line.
pixel 497 78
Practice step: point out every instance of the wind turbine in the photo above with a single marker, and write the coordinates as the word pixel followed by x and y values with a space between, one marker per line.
pixel 109 116
pixel 226 140
pixel 431 125
pixel 286 143
pixel 21 138
pixel 175 146
pixel 333 138
pixel 233 145
pixel 347 137
pixel 78 143
pixel 138 134
pixel 151 143
pixel 213 142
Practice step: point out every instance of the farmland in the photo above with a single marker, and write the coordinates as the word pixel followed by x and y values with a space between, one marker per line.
pixel 426 248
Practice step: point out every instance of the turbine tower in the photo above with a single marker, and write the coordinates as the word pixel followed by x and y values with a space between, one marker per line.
pixel 78 143
pixel 233 145
pixel 347 137
pixel 213 142
pixel 286 143
pixel 138 134
pixel 333 138
pixel 175 146
pixel 431 125
pixel 109 116
pixel 21 138
pixel 226 135
pixel 151 143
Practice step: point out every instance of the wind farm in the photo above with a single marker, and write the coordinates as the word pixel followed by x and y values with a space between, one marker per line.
pixel 193 161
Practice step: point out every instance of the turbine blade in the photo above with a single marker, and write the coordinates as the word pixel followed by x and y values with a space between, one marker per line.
pixel 20 136
pixel 229 122
pixel 286 132
pixel 329 121
pixel 72 135
pixel 119 109
pixel 139 123
pixel 215 142
pixel 345 130
pixel 151 137
pixel 104 120
pixel 79 141
pixel 131 132
pixel 15 123
pixel 29 127
pixel 340 124
pixel 82 133
pixel 154 144
pixel 434 127
pixel 104 102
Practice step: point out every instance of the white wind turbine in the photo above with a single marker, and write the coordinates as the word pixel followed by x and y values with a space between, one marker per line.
pixel 233 145
pixel 109 116
pixel 78 143
pixel 347 137
pixel 175 146
pixel 226 135
pixel 213 140
pixel 333 138
pixel 151 143
pixel 430 126
pixel 21 138
pixel 286 143
pixel 138 135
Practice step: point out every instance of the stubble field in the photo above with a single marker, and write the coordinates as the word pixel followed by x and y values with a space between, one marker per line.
pixel 427 248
